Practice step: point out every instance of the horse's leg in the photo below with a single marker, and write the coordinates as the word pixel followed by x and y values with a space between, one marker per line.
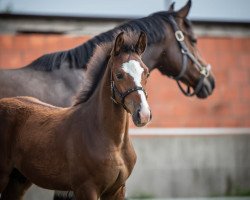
pixel 117 195
pixel 16 186
pixel 85 193
pixel 5 171
pixel 64 195
pixel 4 179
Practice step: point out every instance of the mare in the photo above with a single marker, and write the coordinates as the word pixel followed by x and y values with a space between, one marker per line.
pixel 84 148
pixel 55 78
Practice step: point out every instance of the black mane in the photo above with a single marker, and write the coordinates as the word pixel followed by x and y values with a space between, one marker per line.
pixel 98 63
pixel 78 57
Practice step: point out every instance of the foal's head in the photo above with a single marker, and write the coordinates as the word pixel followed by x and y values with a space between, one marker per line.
pixel 180 58
pixel 129 77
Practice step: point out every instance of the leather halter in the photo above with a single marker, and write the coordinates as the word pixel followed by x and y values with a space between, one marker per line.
pixel 122 96
pixel 204 70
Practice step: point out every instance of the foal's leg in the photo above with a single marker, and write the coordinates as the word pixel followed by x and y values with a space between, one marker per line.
pixel 117 195
pixel 16 187
pixel 86 193
pixel 64 195
pixel 5 171
pixel 4 179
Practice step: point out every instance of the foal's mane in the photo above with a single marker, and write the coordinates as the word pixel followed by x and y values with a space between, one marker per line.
pixel 98 64
pixel 78 57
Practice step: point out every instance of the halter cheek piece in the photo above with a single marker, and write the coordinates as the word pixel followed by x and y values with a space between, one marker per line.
pixel 204 70
pixel 122 96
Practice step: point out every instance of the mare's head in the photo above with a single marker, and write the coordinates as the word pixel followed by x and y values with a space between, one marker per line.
pixel 129 76
pixel 180 58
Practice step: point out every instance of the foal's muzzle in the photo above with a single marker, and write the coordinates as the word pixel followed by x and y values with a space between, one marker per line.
pixel 141 116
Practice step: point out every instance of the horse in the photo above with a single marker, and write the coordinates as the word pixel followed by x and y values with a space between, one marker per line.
pixel 55 78
pixel 86 147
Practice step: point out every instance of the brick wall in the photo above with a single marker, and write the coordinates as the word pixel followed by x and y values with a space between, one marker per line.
pixel 229 106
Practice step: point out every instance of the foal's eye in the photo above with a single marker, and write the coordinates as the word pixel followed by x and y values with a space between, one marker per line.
pixel 119 76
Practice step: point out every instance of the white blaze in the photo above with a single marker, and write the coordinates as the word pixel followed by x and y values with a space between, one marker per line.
pixel 134 69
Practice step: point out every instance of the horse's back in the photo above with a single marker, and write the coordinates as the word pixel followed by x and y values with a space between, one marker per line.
pixel 57 87
pixel 27 128
pixel 21 116
pixel 14 112
pixel 12 116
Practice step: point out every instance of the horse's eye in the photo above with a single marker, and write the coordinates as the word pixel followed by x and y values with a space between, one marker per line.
pixel 148 74
pixel 119 76
pixel 194 40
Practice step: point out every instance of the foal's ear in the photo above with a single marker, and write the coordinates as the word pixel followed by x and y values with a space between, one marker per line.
pixel 183 12
pixel 171 7
pixel 119 41
pixel 141 43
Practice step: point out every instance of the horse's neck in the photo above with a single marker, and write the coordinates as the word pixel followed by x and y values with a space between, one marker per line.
pixel 151 55
pixel 110 119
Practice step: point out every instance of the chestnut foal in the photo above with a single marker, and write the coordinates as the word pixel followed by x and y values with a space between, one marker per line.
pixel 84 148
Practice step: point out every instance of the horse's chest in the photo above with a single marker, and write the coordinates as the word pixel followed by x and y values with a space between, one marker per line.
pixel 118 169
pixel 116 173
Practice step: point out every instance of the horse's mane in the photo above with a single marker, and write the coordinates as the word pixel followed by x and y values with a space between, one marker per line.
pixel 98 64
pixel 78 57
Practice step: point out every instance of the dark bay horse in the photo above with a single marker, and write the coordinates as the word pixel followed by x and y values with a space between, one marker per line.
pixel 84 148
pixel 55 78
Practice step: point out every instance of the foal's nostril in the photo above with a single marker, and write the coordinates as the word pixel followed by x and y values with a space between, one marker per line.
pixel 138 115
pixel 150 115
pixel 141 116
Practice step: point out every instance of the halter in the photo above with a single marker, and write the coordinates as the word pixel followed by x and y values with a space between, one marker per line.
pixel 123 95
pixel 204 70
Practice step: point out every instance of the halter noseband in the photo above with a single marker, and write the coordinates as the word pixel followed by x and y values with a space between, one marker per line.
pixel 123 95
pixel 204 70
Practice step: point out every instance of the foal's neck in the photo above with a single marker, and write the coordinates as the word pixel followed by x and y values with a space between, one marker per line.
pixel 105 118
pixel 113 117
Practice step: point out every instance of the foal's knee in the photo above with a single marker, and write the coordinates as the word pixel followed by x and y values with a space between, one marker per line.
pixel 117 195
pixel 86 193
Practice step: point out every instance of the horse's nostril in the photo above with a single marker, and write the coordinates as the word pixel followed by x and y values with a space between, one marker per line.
pixel 150 115
pixel 138 114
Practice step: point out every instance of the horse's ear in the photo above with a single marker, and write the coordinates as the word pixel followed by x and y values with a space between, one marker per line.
pixel 171 7
pixel 183 12
pixel 119 41
pixel 141 43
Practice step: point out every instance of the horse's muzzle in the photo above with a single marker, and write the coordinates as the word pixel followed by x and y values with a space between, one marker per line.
pixel 142 116
pixel 207 88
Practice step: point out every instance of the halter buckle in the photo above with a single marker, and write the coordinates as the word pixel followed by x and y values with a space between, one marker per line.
pixel 204 71
pixel 179 36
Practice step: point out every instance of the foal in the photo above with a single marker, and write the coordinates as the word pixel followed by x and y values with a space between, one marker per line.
pixel 85 148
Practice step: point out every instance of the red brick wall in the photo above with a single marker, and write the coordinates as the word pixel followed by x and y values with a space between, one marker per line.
pixel 229 106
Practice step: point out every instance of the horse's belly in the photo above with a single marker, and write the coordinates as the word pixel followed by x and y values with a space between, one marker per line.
pixel 46 177
pixel 45 166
